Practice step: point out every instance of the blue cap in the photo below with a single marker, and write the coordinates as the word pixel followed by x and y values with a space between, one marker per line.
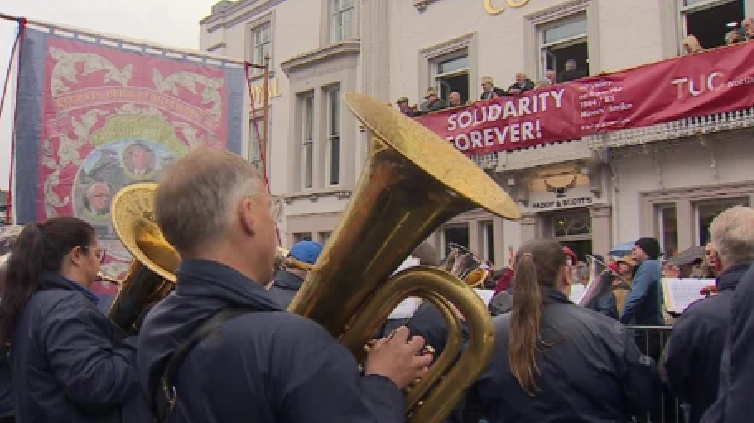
pixel 306 251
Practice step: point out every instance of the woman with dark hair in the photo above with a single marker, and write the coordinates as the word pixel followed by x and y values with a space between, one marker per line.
pixel 69 362
pixel 559 362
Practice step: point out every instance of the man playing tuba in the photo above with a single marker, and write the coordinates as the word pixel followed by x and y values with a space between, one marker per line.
pixel 257 363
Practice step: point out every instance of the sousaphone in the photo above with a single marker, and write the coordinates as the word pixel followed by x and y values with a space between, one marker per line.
pixel 152 273
pixel 412 183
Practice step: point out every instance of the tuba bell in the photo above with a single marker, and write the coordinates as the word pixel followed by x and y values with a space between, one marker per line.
pixel 152 273
pixel 412 182
pixel 464 264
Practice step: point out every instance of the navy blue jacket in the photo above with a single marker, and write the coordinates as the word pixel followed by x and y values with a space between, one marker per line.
pixel 285 287
pixel 591 371
pixel 262 367
pixel 692 356
pixel 6 393
pixel 644 301
pixel 69 362
pixel 734 403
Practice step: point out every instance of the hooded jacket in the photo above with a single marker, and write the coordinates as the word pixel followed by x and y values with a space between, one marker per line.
pixel 692 356
pixel 591 371
pixel 266 366
pixel 70 363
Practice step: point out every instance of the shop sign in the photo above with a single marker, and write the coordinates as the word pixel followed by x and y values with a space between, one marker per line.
pixel 496 7
pixel 561 203
pixel 274 90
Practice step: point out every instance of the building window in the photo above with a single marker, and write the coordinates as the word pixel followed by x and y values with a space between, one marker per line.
pixel 255 136
pixel 562 40
pixel 306 103
pixel 324 237
pixel 302 236
pixel 574 230
pixel 332 153
pixel 456 234
pixel 451 73
pixel 706 211
pixel 261 43
pixel 488 234
pixel 710 20
pixel 342 13
pixel 667 228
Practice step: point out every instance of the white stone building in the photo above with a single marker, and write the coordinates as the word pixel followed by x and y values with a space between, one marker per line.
pixel 657 181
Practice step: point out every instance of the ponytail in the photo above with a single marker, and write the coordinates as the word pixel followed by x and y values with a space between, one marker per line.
pixel 21 279
pixel 525 324
pixel 538 268
pixel 39 248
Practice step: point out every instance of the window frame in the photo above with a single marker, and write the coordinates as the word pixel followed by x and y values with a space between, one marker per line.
pixel 430 57
pixel 255 150
pixel 546 47
pixel 730 201
pixel 307 139
pixel 256 44
pixel 682 11
pixel 252 27
pixel 331 135
pixel 660 225
pixel 334 17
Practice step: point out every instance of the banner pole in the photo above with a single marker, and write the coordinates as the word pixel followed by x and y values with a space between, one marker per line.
pixel 15 51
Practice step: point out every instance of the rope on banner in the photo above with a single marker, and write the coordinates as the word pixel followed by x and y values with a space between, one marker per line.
pixel 16 48
pixel 262 152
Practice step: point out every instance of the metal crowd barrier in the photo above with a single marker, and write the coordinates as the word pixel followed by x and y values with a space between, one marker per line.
pixel 667 409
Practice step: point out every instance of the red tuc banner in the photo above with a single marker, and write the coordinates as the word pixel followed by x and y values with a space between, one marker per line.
pixel 708 83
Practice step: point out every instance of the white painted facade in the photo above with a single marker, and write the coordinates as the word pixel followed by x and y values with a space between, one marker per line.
pixel 395 48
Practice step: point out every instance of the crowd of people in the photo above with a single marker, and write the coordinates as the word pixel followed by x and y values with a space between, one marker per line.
pixel 222 347
pixel 741 34
pixel 433 101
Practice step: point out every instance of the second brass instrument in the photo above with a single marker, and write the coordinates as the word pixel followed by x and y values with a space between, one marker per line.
pixel 152 273
pixel 466 265
pixel 412 182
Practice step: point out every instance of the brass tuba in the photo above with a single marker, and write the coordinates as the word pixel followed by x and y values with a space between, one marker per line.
pixel 413 181
pixel 464 264
pixel 152 273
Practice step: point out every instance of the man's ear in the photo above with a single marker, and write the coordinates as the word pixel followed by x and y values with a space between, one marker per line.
pixel 565 272
pixel 246 217
pixel 76 255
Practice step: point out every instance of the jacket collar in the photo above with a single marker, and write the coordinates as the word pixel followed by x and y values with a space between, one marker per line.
pixel 730 278
pixel 555 296
pixel 51 280
pixel 210 279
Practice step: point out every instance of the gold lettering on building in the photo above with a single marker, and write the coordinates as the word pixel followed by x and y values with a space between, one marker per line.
pixel 492 10
pixel 274 91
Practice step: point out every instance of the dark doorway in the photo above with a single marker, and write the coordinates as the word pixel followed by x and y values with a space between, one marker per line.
pixel 456 235
pixel 709 25
pixel 558 56
pixel 459 82
pixel 582 248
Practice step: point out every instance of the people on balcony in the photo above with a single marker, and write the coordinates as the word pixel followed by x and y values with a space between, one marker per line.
pixel 571 72
pixel 489 90
pixel 404 108
pixel 522 84
pixel 432 102
pixel 454 100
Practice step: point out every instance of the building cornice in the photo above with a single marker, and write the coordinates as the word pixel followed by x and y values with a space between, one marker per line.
pixel 315 57
pixel 239 11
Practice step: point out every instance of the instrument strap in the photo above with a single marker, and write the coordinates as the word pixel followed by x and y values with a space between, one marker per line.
pixel 164 404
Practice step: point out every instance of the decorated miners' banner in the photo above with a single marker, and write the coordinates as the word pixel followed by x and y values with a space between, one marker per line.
pixel 95 115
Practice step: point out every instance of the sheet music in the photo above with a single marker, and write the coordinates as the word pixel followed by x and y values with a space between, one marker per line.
pixel 406 308
pixel 486 295
pixel 408 263
pixel 577 293
pixel 680 293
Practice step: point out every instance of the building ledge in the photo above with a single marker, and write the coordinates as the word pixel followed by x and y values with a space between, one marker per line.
pixel 314 196
pixel 320 55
